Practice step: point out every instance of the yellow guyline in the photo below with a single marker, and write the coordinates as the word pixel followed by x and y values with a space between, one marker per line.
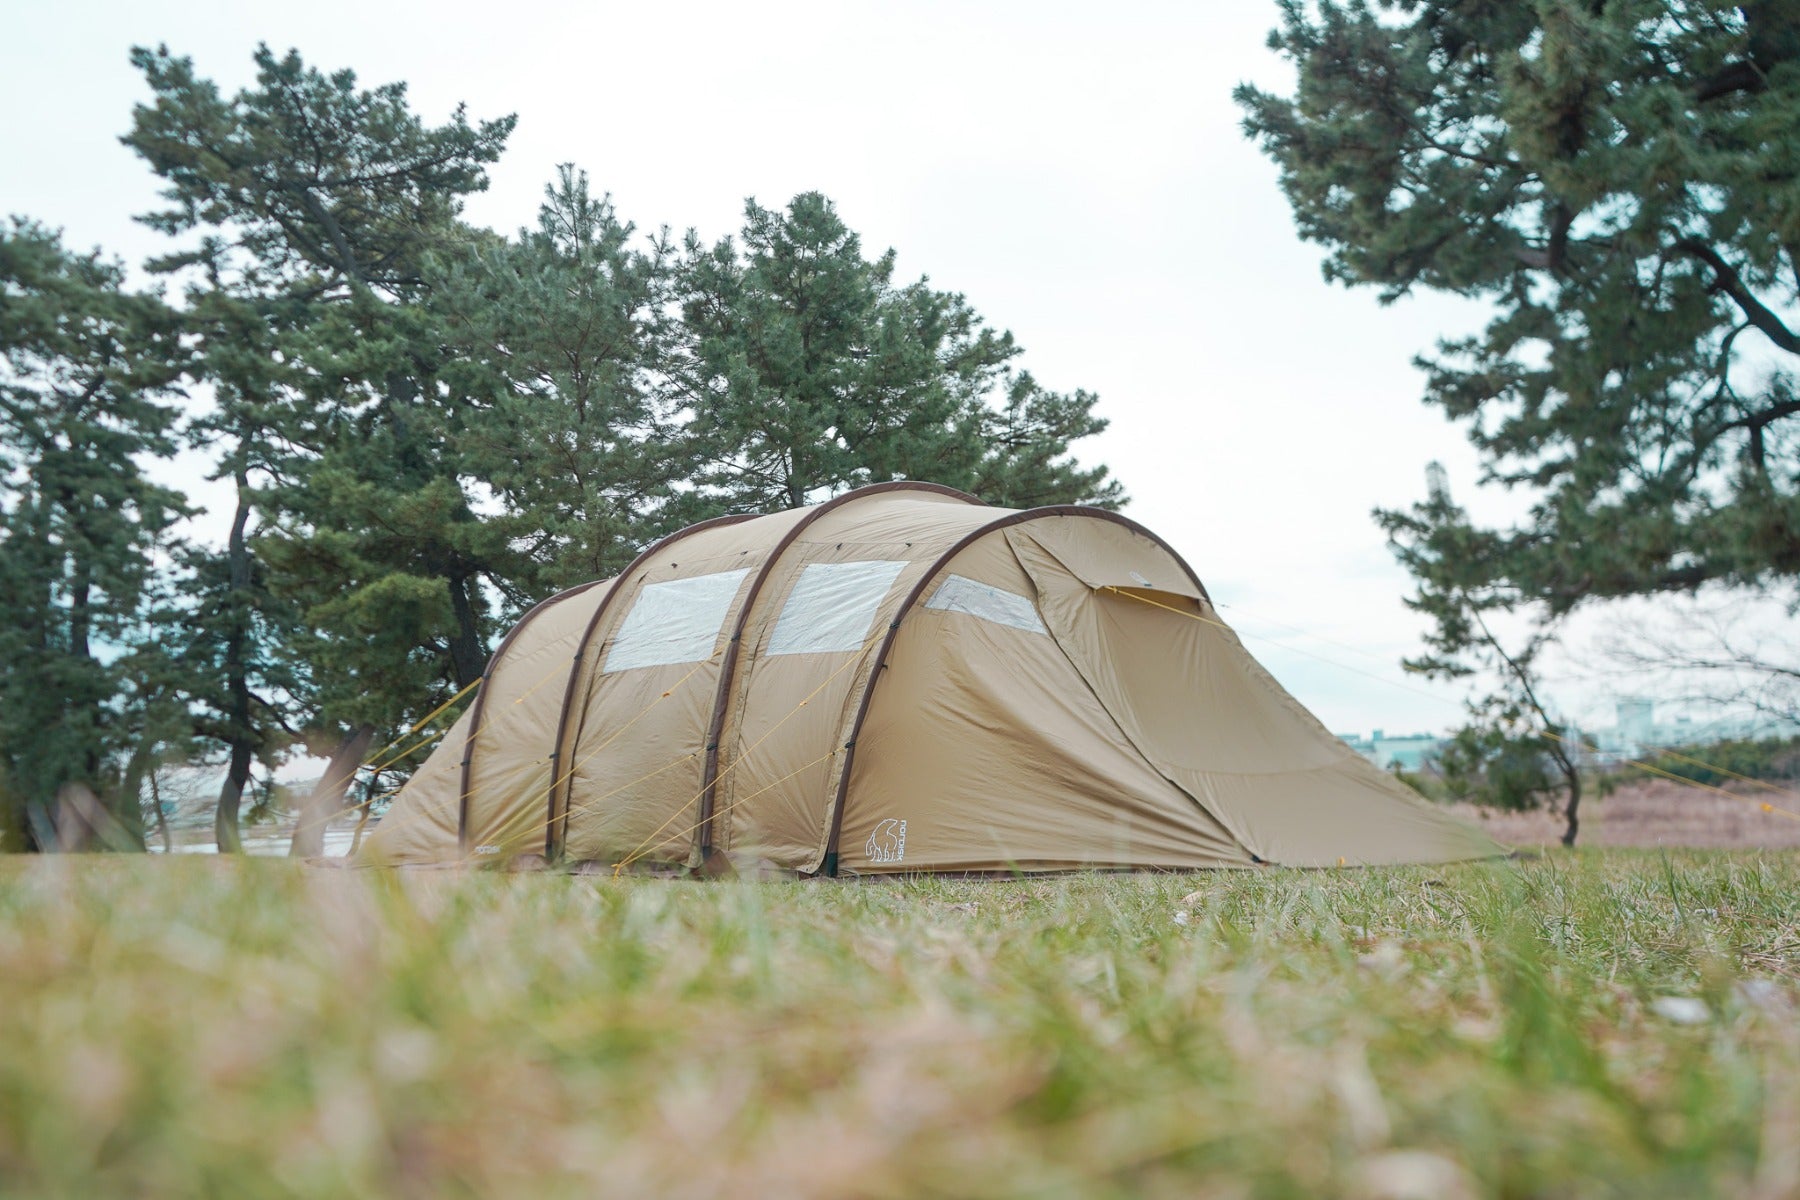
pixel 376 764
pixel 637 852
pixel 539 826
pixel 372 764
pixel 423 721
pixel 1649 767
pixel 555 670
pixel 672 689
pixel 1656 770
pixel 1761 783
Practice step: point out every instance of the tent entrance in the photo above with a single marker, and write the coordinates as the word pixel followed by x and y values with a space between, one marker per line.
pixel 1215 724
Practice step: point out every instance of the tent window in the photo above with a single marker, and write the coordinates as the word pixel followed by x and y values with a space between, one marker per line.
pixel 676 621
pixel 832 607
pixel 964 595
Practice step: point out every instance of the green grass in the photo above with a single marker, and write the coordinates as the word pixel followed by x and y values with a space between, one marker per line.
pixel 193 1028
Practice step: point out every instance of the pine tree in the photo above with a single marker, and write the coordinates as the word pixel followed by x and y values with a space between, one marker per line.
pixel 88 373
pixel 1622 183
pixel 1512 750
pixel 557 338
pixel 808 371
pixel 1025 460
pixel 324 208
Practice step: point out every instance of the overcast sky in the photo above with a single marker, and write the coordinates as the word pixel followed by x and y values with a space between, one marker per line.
pixel 1077 171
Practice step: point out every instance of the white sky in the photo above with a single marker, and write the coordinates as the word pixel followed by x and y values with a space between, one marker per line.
pixel 1076 170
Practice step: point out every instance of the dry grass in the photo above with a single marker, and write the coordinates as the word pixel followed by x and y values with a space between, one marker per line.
pixel 186 1027
pixel 1659 813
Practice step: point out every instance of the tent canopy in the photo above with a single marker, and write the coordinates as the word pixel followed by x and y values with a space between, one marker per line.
pixel 901 679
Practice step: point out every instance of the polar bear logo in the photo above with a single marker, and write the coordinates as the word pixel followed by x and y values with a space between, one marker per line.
pixel 888 843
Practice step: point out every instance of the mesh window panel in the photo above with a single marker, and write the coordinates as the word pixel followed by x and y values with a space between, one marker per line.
pixel 961 594
pixel 832 606
pixel 674 622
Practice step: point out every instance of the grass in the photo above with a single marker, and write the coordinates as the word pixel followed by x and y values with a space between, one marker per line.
pixel 192 1028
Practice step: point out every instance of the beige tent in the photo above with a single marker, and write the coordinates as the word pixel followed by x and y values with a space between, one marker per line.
pixel 902 679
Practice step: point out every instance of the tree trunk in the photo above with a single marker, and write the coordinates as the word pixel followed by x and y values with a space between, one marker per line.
pixel 40 827
pixel 78 817
pixel 162 819
pixel 1574 823
pixel 237 679
pixel 231 796
pixel 128 812
pixel 467 657
pixel 131 804
pixel 1572 781
pixel 327 797
pixel 84 823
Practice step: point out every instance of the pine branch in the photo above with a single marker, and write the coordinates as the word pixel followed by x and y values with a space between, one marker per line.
pixel 1728 281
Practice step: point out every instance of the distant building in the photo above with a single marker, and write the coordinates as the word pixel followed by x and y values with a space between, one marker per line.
pixel 1408 751
pixel 1636 720
pixel 1639 732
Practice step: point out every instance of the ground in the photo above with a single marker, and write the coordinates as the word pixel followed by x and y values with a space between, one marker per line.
pixel 1603 1022
pixel 1657 813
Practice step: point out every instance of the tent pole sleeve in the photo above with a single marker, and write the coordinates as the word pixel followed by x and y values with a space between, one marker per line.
pixel 715 729
pixel 556 799
pixel 465 780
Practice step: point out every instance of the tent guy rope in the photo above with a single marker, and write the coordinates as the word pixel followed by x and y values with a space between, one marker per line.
pixel 423 721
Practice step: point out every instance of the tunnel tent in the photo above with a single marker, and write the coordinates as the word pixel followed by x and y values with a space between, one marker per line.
pixel 902 679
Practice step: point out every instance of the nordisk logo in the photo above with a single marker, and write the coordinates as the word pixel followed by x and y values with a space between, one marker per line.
pixel 888 843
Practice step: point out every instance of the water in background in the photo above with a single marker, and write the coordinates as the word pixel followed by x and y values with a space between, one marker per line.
pixel 270 841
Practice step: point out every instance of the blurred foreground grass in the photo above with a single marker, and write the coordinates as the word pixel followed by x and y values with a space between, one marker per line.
pixel 1597 1024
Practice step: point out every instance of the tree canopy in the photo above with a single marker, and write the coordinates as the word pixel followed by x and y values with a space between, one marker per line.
pixel 321 209
pixel 88 375
pixel 809 370
pixel 559 337
pixel 1621 182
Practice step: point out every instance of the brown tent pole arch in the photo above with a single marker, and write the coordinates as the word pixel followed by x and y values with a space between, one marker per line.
pixel 479 708
pixel 556 800
pixel 728 669
pixel 829 865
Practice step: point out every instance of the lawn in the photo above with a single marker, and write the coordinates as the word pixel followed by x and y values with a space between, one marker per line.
pixel 1618 1023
